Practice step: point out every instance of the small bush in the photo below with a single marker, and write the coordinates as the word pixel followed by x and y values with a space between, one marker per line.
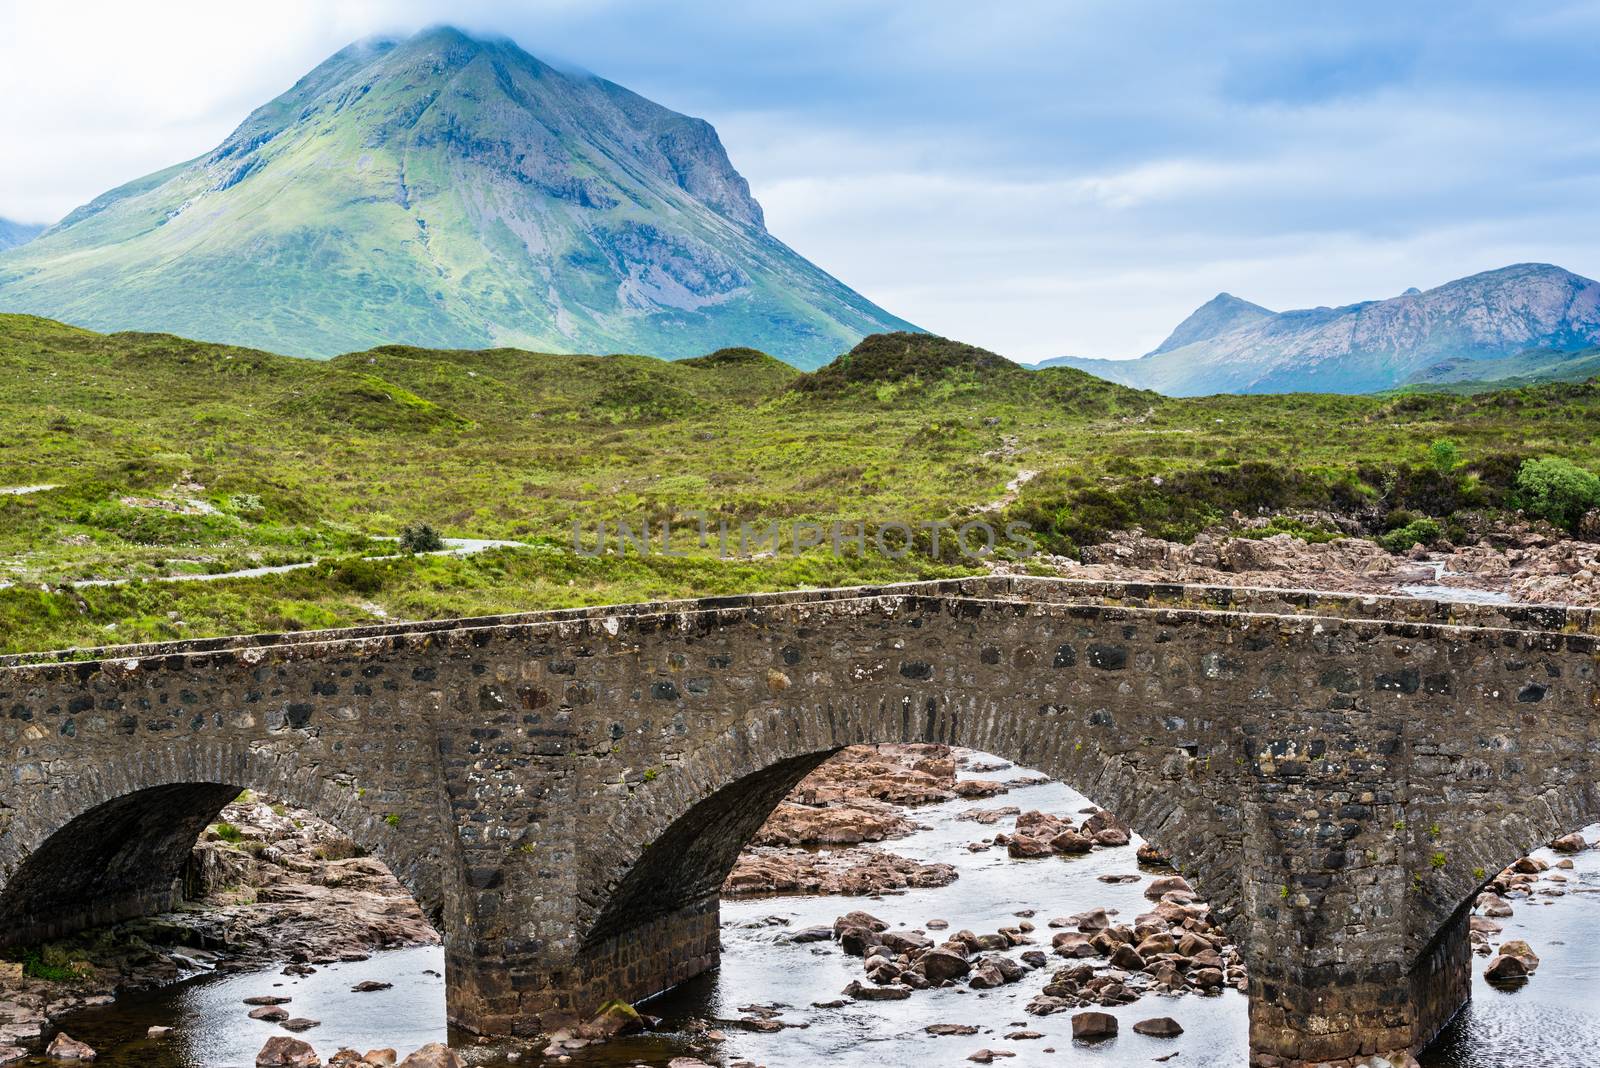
pixel 1445 454
pixel 229 833
pixel 357 575
pixel 53 965
pixel 420 538
pixel 1556 489
pixel 1417 532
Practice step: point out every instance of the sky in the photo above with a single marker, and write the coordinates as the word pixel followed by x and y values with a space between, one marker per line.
pixel 1040 177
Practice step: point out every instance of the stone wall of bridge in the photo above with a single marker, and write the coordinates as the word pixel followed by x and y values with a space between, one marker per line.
pixel 565 792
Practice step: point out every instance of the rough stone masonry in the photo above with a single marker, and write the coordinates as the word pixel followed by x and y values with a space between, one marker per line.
pixel 564 792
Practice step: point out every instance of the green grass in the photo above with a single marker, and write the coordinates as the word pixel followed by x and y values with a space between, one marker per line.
pixel 265 460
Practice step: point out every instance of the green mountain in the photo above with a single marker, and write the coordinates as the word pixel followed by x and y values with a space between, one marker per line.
pixel 451 192
pixel 1376 345
pixel 13 234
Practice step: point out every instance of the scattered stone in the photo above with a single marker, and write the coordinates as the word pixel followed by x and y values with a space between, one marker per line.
pixel 267 999
pixel 950 1029
pixel 985 1056
pixel 1570 843
pixel 300 1024
pixel 269 1013
pixel 158 1032
pixel 892 992
pixel 1159 1027
pixel 368 986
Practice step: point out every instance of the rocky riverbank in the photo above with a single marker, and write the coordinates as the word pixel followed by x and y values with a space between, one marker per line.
pixel 1526 562
pixel 1530 880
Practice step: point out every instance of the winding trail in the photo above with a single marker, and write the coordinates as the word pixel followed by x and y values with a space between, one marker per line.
pixel 453 547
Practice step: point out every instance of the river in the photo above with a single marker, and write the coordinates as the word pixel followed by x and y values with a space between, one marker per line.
pixel 1553 1021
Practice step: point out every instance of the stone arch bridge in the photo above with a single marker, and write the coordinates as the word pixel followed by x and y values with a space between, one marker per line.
pixel 564 792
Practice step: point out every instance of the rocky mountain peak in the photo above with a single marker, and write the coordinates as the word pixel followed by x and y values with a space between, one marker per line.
pixel 1220 314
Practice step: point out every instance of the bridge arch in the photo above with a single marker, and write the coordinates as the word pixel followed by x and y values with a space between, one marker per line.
pixel 674 849
pixel 111 842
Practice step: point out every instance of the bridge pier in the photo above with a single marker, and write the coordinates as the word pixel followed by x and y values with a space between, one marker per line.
pixel 530 995
pixel 1343 1014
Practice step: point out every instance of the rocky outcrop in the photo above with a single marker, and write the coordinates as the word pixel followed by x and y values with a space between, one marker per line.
pixel 762 870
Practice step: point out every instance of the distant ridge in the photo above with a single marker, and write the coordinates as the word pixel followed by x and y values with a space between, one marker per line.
pixel 452 192
pixel 1231 346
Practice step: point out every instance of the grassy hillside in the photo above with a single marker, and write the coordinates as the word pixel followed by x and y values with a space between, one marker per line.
pixel 175 457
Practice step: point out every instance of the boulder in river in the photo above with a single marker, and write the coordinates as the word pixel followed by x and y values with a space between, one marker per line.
pixel 1167 884
pixel 938 965
pixel 1025 846
pixel 368 986
pixel 269 1013
pixel 281 1051
pixel 1093 1025
pixel 1494 906
pixel 66 1048
pixel 299 1024
pixel 1159 1027
pixel 1504 969
pixel 1522 951
pixel 1570 843
pixel 433 1055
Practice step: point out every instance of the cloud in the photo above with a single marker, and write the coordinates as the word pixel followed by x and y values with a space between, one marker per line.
pixel 1038 177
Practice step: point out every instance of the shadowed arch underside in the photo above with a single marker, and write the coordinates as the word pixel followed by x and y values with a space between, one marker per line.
pixel 121 859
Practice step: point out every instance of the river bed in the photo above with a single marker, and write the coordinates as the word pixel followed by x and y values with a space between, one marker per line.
pixel 1552 1021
